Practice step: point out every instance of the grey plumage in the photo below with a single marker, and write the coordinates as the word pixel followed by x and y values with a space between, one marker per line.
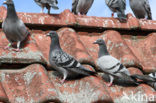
pixel 81 6
pixel 13 27
pixel 63 62
pixel 149 79
pixel 119 7
pixel 141 9
pixel 48 4
pixel 110 65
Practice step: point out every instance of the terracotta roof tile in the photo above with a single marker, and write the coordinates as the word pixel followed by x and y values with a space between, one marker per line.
pixel 28 85
pixel 23 75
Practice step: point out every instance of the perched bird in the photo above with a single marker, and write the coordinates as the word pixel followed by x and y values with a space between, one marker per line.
pixel 48 4
pixel 63 62
pixel 110 65
pixel 119 7
pixel 81 7
pixel 141 8
pixel 13 27
pixel 148 79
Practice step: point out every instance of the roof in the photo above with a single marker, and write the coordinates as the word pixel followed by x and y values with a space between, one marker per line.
pixel 26 77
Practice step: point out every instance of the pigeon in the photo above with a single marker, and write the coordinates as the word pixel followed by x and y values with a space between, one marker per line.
pixel 48 4
pixel 14 28
pixel 141 9
pixel 149 79
pixel 119 7
pixel 81 7
pixel 110 65
pixel 63 62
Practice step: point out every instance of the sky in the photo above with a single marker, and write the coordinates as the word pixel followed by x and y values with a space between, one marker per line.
pixel 98 8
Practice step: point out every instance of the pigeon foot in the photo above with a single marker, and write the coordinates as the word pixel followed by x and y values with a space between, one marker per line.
pixel 17 50
pixel 8 46
pixel 109 84
pixel 113 15
pixel 62 81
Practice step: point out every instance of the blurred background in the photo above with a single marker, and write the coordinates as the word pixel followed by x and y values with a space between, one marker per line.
pixel 98 8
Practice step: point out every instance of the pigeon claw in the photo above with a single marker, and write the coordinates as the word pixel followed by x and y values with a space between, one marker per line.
pixel 109 84
pixel 113 15
pixel 79 14
pixel 17 50
pixel 62 81
pixel 8 46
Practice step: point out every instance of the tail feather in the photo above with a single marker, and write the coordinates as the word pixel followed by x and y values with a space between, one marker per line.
pixel 145 78
pixel 149 17
pixel 82 70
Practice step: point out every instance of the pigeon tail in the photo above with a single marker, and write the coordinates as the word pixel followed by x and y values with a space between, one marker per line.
pixel 55 7
pixel 145 78
pixel 149 17
pixel 82 70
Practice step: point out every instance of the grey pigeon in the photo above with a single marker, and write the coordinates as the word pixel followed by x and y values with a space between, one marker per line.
pixel 148 79
pixel 13 27
pixel 119 7
pixel 81 6
pixel 48 4
pixel 141 8
pixel 63 62
pixel 110 65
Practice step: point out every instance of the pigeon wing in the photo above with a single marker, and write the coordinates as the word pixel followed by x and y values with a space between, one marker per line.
pixel 53 3
pixel 107 64
pixel 66 61
pixel 39 2
pixel 118 4
pixel 22 31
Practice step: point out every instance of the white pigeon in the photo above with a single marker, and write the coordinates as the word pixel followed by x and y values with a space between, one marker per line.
pixel 110 65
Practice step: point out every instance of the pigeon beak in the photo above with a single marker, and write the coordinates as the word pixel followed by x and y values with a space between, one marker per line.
pixel 5 2
pixel 95 42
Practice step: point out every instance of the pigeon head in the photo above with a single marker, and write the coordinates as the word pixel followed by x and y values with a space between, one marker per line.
pixel 99 42
pixel 102 47
pixel 53 35
pixel 54 39
pixel 8 2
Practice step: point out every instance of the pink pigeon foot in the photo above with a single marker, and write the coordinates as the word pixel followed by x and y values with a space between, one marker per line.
pixel 113 15
pixel 62 81
pixel 79 14
pixel 109 84
pixel 8 46
pixel 17 50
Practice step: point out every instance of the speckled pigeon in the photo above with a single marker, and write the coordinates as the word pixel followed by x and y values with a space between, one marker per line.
pixel 81 6
pixel 149 79
pixel 13 27
pixel 48 4
pixel 63 62
pixel 110 65
pixel 119 7
pixel 141 9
